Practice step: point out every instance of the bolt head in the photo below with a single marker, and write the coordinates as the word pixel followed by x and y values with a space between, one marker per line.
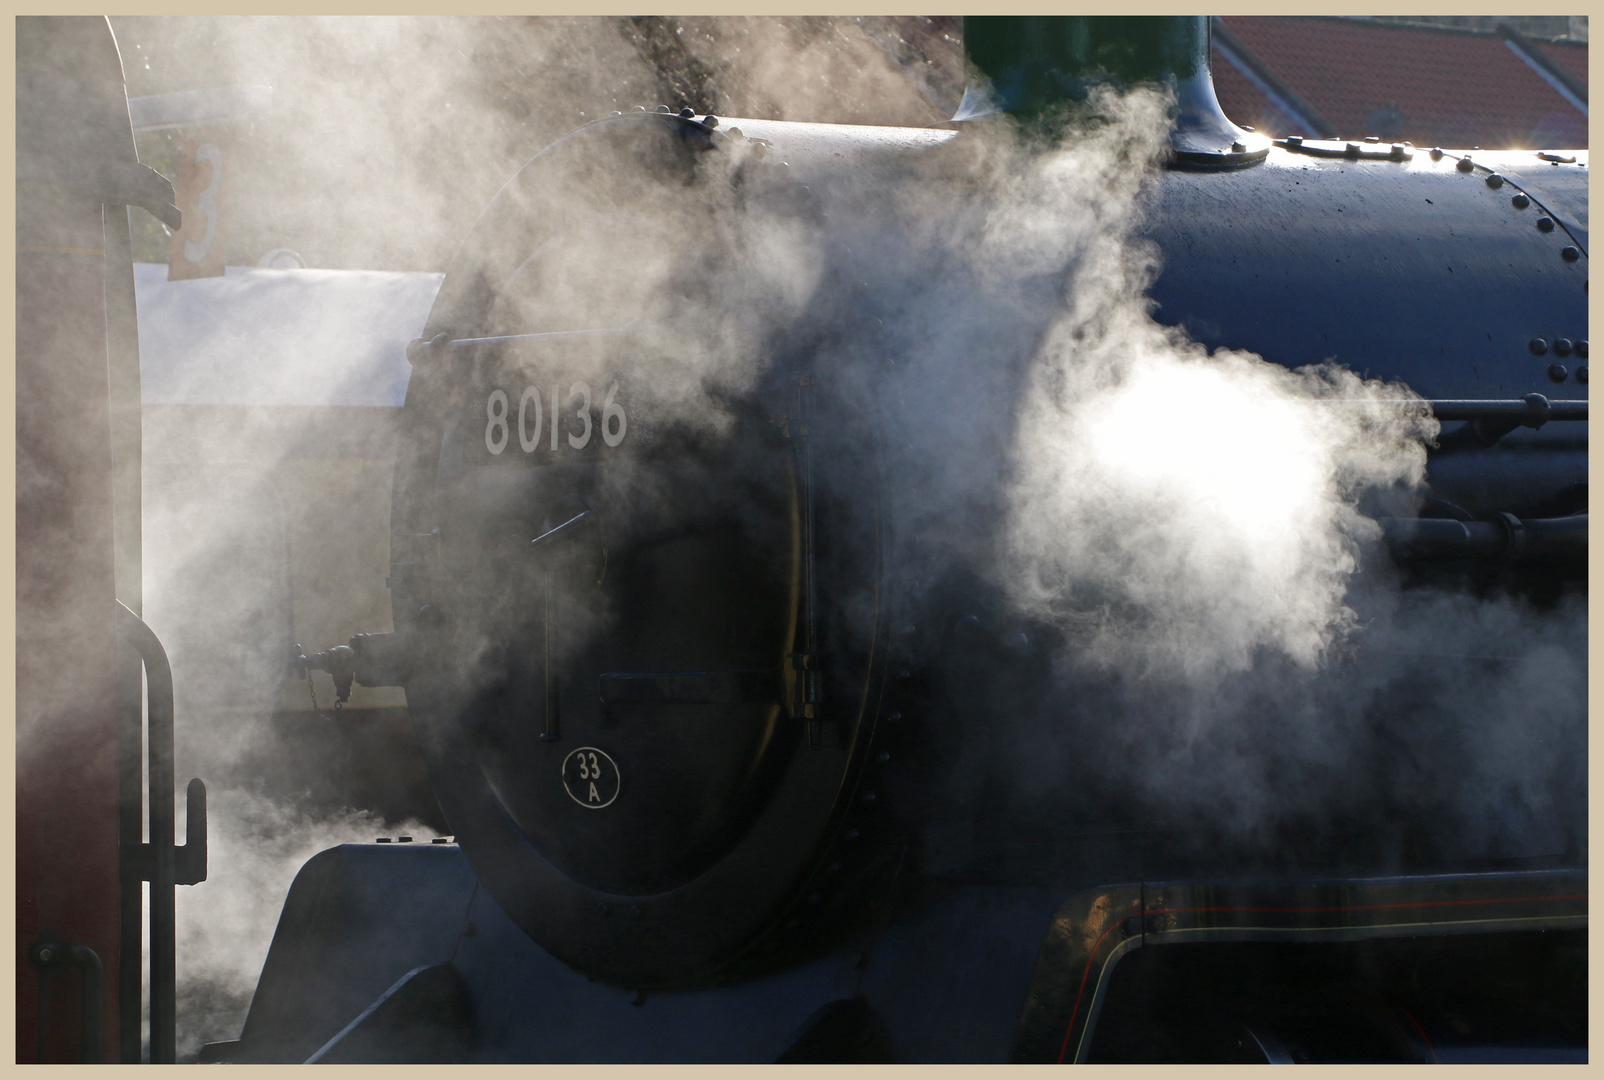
pixel 1581 348
pixel 44 955
pixel 1581 374
pixel 1465 164
pixel 1538 346
pixel 1562 346
pixel 1436 153
pixel 1495 181
pixel 1557 373
pixel 1569 254
pixel 687 112
pixel 1520 202
pixel 1545 224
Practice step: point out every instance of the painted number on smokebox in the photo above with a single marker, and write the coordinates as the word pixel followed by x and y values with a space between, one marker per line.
pixel 590 777
pixel 528 420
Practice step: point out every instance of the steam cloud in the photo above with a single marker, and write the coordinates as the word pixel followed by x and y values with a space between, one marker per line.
pixel 1182 529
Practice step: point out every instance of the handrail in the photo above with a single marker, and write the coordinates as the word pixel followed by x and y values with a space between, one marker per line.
pixel 48 954
pixel 158 861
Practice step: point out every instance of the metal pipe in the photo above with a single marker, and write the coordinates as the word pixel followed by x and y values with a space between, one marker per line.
pixel 1533 410
pixel 1506 537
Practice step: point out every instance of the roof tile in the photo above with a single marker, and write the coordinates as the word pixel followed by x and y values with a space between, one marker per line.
pixel 1453 89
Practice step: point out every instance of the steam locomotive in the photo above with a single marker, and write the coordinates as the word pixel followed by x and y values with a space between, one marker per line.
pixel 730 720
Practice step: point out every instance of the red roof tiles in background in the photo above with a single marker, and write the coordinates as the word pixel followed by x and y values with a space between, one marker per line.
pixel 1449 88
pixel 1570 55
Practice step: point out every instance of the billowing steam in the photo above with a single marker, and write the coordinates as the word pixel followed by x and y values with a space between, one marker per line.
pixel 1179 532
pixel 1194 509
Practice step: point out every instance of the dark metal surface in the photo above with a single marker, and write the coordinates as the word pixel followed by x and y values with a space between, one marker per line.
pixel 1095 929
pixel 424 1018
pixel 48 956
pixel 941 981
pixel 1325 260
pixel 357 919
pixel 690 687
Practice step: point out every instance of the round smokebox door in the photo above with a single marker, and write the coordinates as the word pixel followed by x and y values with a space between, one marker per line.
pixel 618 568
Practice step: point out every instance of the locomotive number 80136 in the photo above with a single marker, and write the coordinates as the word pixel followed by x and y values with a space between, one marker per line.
pixel 531 420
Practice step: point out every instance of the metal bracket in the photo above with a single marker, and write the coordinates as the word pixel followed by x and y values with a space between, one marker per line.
pixel 1369 149
pixel 189 858
pixel 133 184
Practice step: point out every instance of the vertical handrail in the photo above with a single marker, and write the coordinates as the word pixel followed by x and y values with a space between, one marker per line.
pixel 163 928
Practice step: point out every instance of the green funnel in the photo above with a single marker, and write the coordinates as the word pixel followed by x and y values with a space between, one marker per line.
pixel 1034 63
